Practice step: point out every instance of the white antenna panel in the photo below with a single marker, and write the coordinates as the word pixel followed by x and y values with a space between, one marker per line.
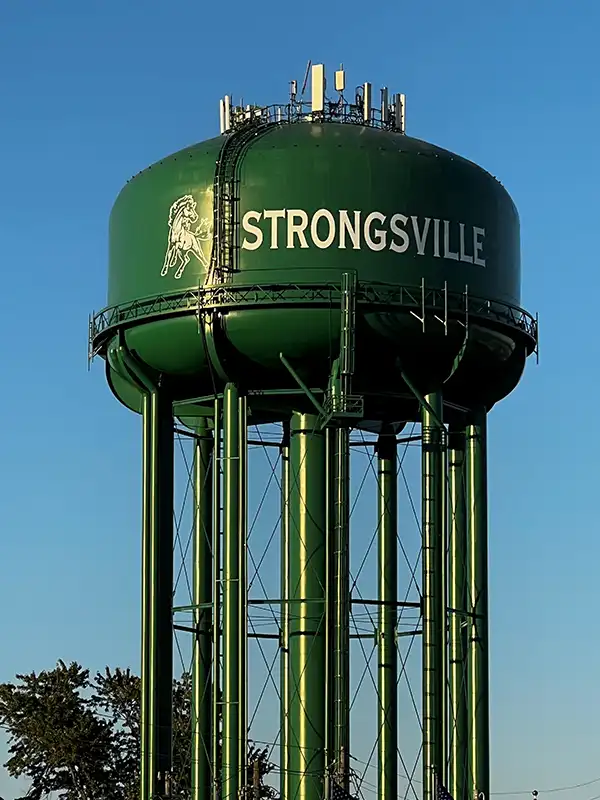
pixel 318 87
pixel 400 106
pixel 222 115
pixel 340 80
pixel 384 105
pixel 227 112
pixel 367 93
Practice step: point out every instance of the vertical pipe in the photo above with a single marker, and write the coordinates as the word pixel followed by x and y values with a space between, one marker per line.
pixel 157 667
pixel 216 615
pixel 329 595
pixel 307 615
pixel 284 737
pixel 459 718
pixel 443 610
pixel 387 672
pixel 476 469
pixel 234 544
pixel 202 588
pixel 341 605
pixel 243 587
pixel 434 636
pixel 146 594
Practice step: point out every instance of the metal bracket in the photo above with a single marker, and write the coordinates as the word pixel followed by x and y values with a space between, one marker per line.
pixel 414 314
pixel 302 385
pixel 131 365
pixel 422 402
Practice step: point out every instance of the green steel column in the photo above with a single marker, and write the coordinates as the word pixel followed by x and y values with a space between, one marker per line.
pixel 307 613
pixel 458 594
pixel 202 588
pixel 234 595
pixel 434 621
pixel 215 751
pixel 243 584
pixel 387 784
pixel 146 595
pixel 478 586
pixel 157 582
pixel 285 737
pixel 341 605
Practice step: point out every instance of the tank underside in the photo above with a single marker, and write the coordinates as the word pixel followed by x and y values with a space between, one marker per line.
pixel 195 343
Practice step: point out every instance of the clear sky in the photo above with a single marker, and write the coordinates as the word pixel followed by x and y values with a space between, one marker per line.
pixel 92 92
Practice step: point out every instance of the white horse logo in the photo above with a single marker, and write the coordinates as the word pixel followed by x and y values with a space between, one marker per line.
pixel 182 239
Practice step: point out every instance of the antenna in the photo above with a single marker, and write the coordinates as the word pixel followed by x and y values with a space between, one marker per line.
pixel 227 110
pixel 340 79
pixel 306 74
pixel 400 112
pixel 222 115
pixel 367 102
pixel 385 110
pixel 318 88
pixel 293 90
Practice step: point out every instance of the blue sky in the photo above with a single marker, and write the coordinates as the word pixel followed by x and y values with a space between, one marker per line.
pixel 93 92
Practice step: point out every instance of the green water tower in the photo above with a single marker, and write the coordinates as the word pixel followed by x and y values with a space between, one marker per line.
pixel 316 267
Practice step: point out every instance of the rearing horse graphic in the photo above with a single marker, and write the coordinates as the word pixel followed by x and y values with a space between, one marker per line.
pixel 182 239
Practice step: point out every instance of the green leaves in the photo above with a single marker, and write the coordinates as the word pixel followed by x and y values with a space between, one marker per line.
pixel 79 737
pixel 56 738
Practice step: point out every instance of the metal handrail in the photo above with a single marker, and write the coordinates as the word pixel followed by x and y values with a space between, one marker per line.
pixel 223 297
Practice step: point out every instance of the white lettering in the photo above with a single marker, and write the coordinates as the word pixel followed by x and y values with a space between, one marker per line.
pixel 463 255
pixel 322 213
pixel 381 236
pixel 274 216
pixel 398 231
pixel 478 246
pixel 253 230
pixel 296 228
pixel 447 252
pixel 346 228
pixel 436 238
pixel 420 239
pixel 378 230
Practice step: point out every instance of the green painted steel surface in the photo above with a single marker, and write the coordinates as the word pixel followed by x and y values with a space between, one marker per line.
pixel 458 778
pixel 434 622
pixel 141 222
pixel 202 595
pixel 307 611
pixel 316 201
pixel 147 590
pixel 217 623
pixel 234 596
pixel 476 470
pixel 286 734
pixel 340 684
pixel 157 602
pixel 420 195
pixel 387 673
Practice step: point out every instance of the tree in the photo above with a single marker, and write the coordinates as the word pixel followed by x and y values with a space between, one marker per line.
pixel 79 737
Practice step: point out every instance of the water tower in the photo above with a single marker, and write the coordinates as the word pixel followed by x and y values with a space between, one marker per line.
pixel 316 268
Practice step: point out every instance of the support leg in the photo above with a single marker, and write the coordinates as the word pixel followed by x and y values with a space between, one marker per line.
pixel 459 616
pixel 284 652
pixel 341 605
pixel 216 715
pixel 478 646
pixel 234 751
pixel 157 596
pixel 202 588
pixel 307 611
pixel 434 621
pixel 387 785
